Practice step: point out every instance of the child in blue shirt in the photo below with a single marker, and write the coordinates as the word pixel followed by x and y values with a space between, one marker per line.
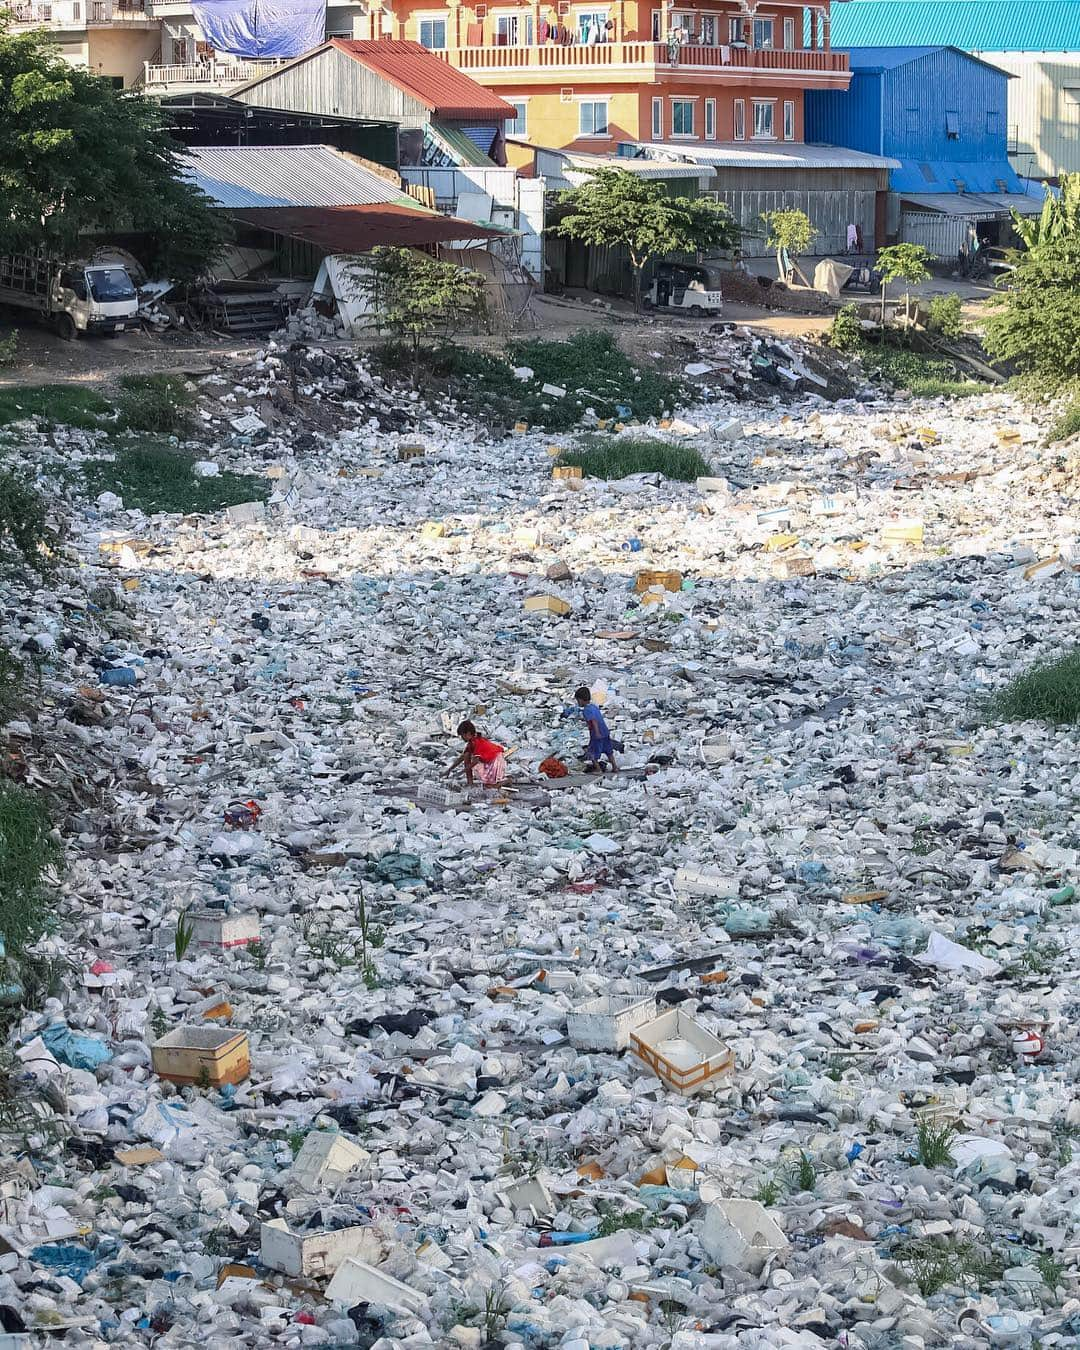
pixel 600 745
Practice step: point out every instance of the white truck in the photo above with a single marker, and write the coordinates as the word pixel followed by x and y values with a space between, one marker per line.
pixel 75 297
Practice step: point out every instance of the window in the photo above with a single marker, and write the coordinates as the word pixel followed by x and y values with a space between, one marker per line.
pixel 1072 96
pixel 789 119
pixel 710 119
pixel 764 127
pixel 763 33
pixel 520 125
pixel 736 32
pixel 789 35
pixel 588 19
pixel 707 35
pixel 952 125
pixel 911 119
pixel 658 119
pixel 682 117
pixel 592 119
pixel 656 25
pixel 993 120
pixel 432 34
pixel 739 119
pixel 512 30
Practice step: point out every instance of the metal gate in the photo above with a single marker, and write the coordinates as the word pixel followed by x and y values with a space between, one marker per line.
pixel 830 212
pixel 943 236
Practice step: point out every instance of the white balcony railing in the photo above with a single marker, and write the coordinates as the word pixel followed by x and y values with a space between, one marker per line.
pixel 59 14
pixel 217 74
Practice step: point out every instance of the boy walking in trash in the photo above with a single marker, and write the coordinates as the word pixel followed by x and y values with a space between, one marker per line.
pixel 481 756
pixel 600 745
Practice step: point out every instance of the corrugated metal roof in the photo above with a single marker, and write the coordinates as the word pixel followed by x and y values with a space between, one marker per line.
pixel 427 77
pixel 748 155
pixel 460 147
pixel 975 206
pixel 867 59
pixel 974 25
pixel 284 175
pixel 355 229
pixel 988 175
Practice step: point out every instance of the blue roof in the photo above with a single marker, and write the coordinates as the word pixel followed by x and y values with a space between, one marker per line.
pixel 935 176
pixel 890 58
pixel 974 25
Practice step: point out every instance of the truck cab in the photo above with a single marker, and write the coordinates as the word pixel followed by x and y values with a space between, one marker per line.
pixel 687 287
pixel 93 298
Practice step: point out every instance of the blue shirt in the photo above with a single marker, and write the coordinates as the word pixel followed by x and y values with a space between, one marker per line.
pixel 594 720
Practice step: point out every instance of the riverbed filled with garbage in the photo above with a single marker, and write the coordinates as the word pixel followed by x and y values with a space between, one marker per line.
pixel 767 1039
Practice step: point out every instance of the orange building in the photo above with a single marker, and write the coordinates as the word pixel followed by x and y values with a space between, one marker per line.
pixel 590 75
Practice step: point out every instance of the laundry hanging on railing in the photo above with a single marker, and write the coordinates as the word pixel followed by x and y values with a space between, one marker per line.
pixel 261 28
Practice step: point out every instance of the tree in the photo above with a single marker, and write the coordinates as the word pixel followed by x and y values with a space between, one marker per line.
pixel 902 262
pixel 616 207
pixel 78 156
pixel 790 233
pixel 1059 218
pixel 417 296
pixel 1036 322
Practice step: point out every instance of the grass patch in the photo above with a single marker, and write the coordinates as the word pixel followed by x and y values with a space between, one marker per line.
pixel 1066 423
pixel 609 457
pixel 590 366
pixel 933 1144
pixel 613 1220
pixel 157 403
pixel 1048 692
pixel 933 1266
pixel 56 404
pixel 153 477
pixel 923 376
pixel 27 853
pixel 768 1191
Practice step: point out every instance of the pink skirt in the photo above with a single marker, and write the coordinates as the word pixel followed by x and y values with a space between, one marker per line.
pixel 491 775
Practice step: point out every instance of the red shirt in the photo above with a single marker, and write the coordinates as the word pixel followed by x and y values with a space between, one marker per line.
pixel 484 751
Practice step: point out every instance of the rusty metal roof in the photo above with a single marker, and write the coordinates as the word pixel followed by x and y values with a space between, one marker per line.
pixel 427 77
pixel 355 229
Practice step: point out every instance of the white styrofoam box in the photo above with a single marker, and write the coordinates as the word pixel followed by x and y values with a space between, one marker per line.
pixel 325 1160
pixel 706 881
pixel 215 929
pixel 357 1282
pixel 317 1253
pixel 741 1233
pixel 528 1193
pixel 681 1052
pixel 605 1023
pixel 429 794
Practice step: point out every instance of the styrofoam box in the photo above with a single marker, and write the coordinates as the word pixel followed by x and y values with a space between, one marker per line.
pixel 707 881
pixel 315 1253
pixel 214 929
pixel 325 1160
pixel 681 1052
pixel 357 1282
pixel 605 1023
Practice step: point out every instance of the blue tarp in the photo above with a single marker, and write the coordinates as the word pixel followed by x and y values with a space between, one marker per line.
pixel 261 28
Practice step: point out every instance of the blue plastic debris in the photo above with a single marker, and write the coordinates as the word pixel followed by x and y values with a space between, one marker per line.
pixel 73 1049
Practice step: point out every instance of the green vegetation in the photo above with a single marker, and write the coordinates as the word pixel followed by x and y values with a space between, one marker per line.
pixel 787 232
pixel 28 854
pixel 1059 218
pixel 616 457
pixel 933 1144
pixel 933 1266
pixel 612 1220
pixel 9 348
pixel 26 537
pixel 1048 692
pixel 78 156
pixel 616 208
pixel 902 262
pixel 923 376
pixel 158 403
pixel 56 405
pixel 845 332
pixel 416 297
pixel 768 1191
pixel 1067 422
pixel 185 931
pixel 945 315
pixel 151 477
pixel 590 366
pixel 1050 1268
pixel 1036 322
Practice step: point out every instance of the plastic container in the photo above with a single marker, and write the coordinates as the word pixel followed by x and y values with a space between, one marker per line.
pixel 191 1054
pixel 605 1023
pixel 706 881
pixel 681 1052
pixel 120 677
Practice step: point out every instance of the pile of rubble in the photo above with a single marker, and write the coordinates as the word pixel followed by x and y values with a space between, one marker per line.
pixel 767 1040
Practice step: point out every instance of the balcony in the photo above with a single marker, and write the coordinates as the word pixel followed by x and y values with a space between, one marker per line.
pixel 205 76
pixel 75 14
pixel 645 61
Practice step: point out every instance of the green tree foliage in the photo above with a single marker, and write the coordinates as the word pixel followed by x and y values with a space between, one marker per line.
pixel 1059 218
pixel 618 208
pixel 945 315
pixel 902 262
pixel 415 296
pixel 1036 322
pixel 78 156
pixel 787 232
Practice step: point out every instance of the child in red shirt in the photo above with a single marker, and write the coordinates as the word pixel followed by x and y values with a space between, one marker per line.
pixel 481 755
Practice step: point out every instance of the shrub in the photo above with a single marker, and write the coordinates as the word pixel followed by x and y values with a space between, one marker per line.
pixel 1067 423
pixel 28 852
pixel 25 533
pixel 1048 692
pixel 607 457
pixel 945 316
pixel 9 348
pixel 845 332
pixel 933 1144
pixel 1036 322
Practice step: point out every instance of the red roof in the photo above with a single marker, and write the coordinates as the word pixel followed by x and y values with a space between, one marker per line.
pixel 355 229
pixel 434 82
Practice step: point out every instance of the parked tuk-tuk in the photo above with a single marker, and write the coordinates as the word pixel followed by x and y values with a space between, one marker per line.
pixel 684 286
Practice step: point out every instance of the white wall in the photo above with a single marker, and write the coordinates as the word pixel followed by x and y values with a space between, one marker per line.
pixel 523 196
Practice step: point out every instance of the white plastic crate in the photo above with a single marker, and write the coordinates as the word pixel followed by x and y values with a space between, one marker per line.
pixel 605 1023
pixel 681 1052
